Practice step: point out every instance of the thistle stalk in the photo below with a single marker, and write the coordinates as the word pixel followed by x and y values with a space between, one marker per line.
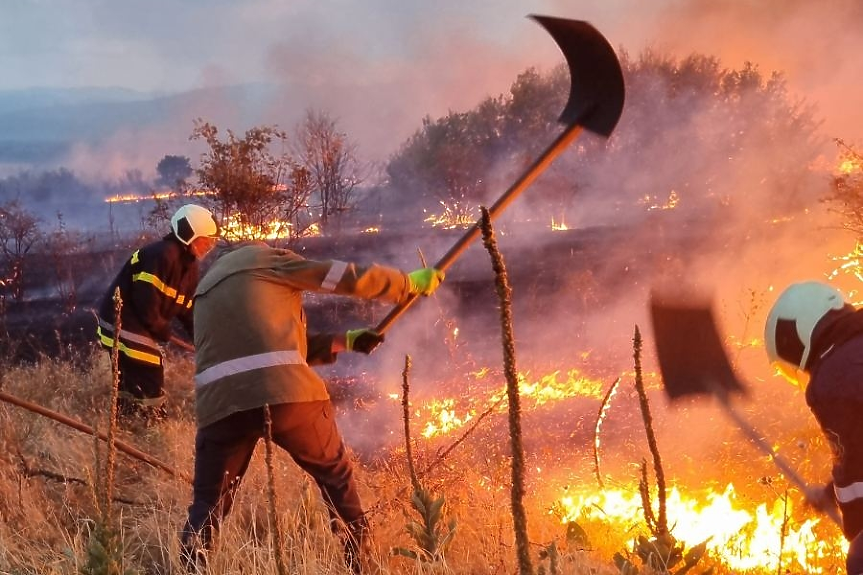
pixel 504 293
pixel 661 519
pixel 277 536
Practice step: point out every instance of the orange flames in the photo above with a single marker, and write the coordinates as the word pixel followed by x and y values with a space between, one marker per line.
pixel 559 226
pixel 444 416
pixel 743 539
pixel 742 533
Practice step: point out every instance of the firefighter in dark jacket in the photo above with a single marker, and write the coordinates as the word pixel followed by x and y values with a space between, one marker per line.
pixel 252 350
pixel 813 333
pixel 157 284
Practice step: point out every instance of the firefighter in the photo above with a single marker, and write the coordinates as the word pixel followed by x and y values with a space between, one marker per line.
pixel 157 284
pixel 813 334
pixel 252 350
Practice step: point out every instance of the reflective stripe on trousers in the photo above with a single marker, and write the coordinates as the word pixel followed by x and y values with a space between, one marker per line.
pixel 849 493
pixel 107 339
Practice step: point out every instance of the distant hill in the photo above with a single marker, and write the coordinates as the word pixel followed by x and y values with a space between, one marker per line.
pixel 39 125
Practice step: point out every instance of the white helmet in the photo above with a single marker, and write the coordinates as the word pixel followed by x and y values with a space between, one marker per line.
pixel 792 320
pixel 191 222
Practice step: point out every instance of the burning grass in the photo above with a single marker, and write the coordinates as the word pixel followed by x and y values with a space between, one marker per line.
pixel 719 489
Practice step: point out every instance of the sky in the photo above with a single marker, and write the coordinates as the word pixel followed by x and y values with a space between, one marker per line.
pixel 379 66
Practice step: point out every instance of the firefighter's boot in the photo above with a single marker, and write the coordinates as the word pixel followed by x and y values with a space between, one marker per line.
pixel 356 544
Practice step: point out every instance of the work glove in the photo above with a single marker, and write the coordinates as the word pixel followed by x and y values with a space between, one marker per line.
pixel 362 340
pixel 424 281
pixel 821 497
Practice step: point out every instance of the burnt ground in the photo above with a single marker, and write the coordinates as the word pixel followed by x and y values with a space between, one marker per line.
pixel 587 268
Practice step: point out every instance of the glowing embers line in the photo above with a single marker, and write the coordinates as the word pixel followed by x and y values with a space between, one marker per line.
pixel 455 215
pixel 166 195
pixel 740 539
pixel 653 203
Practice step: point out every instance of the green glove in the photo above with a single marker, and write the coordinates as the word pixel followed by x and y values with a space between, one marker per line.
pixel 424 281
pixel 362 340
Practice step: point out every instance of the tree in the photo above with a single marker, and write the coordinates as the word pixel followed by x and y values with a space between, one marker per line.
pixel 254 193
pixel 19 232
pixel 331 163
pixel 173 171
pixel 691 130
pixel 447 161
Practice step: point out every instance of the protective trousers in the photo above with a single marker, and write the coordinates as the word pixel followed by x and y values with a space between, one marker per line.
pixel 308 432
pixel 141 389
pixel 852 526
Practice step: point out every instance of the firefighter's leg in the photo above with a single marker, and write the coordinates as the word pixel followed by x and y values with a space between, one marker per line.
pixel 222 454
pixel 854 561
pixel 308 432
pixel 141 390
pixel 852 526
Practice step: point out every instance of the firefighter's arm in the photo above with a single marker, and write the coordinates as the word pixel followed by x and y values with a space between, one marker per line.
pixel 822 497
pixel 343 278
pixel 151 295
pixel 322 348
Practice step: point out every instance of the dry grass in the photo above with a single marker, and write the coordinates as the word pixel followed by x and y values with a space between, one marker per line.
pixel 45 520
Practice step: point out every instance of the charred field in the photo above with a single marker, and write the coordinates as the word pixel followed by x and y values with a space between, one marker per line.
pixel 577 296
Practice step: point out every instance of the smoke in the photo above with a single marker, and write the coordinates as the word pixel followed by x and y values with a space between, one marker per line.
pixel 582 291
pixel 812 44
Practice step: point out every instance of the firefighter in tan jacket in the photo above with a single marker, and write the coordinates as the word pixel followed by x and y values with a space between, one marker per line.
pixel 252 350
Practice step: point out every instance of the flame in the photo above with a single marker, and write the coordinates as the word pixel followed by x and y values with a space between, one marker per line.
pixel 135 198
pixel 163 195
pixel 269 230
pixel 455 215
pixel 559 226
pixel 443 416
pixel 850 165
pixel 652 202
pixel 740 539
pixel 741 533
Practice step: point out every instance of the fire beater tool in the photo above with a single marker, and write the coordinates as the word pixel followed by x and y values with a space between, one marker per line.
pixel 692 361
pixel 74 424
pixel 595 103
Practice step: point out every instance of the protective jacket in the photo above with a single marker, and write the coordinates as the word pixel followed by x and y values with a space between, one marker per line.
pixel 157 284
pixel 251 343
pixel 835 396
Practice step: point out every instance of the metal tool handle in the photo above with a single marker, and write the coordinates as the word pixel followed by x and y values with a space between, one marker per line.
pixel 765 447
pixel 525 180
